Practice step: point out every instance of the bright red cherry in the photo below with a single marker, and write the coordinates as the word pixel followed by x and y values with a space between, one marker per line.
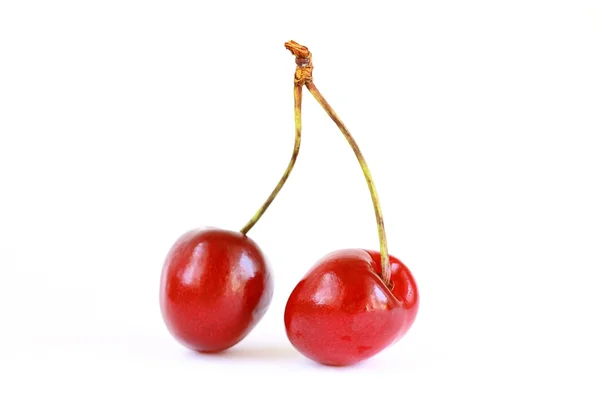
pixel 215 287
pixel 341 312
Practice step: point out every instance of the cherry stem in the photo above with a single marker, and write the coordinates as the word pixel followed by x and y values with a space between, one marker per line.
pixel 304 77
pixel 288 170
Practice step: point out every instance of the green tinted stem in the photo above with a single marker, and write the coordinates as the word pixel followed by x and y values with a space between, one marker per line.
pixel 288 170
pixel 385 261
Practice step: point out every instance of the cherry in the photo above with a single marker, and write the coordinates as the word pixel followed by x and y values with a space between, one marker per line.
pixel 215 287
pixel 352 303
pixel 341 312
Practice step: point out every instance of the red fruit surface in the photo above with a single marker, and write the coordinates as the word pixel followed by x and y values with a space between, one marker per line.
pixel 341 312
pixel 215 287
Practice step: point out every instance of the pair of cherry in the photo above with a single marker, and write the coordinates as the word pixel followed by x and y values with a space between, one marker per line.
pixel 216 284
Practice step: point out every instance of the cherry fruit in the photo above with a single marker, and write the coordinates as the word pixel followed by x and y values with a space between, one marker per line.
pixel 352 303
pixel 215 287
pixel 341 312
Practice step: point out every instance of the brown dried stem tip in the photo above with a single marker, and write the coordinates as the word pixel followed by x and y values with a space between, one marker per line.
pixel 299 51
pixel 304 65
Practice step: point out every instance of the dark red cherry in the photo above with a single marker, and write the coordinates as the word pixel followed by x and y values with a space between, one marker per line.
pixel 215 287
pixel 341 312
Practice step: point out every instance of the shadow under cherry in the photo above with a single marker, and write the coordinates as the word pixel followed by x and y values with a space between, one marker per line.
pixel 253 353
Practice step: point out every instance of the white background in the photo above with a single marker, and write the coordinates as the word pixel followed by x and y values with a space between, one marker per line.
pixel 125 123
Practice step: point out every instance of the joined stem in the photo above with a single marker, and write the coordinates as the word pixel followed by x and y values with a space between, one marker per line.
pixel 288 170
pixel 304 56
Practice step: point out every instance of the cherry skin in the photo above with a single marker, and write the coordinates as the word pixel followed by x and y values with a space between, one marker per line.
pixel 215 287
pixel 341 312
